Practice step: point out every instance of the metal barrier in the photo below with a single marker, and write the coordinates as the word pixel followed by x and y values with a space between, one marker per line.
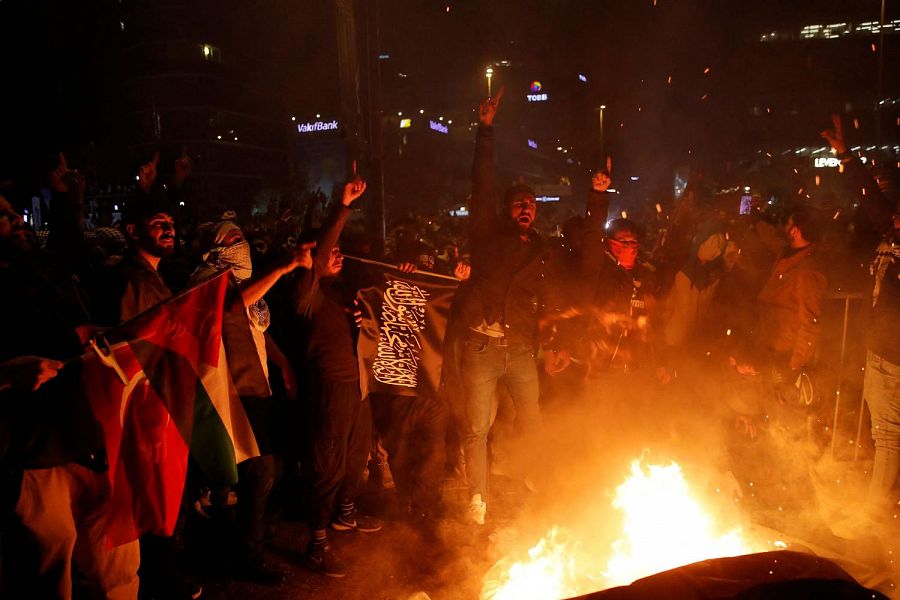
pixel 846 297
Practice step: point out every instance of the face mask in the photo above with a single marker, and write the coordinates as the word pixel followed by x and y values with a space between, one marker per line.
pixel 625 253
pixel 237 256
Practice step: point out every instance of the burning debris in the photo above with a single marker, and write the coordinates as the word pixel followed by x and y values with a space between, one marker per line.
pixel 665 524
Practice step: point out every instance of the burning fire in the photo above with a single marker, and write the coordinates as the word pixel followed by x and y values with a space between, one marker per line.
pixel 665 526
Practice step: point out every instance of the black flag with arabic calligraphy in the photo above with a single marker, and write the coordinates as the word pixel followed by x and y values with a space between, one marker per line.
pixel 404 318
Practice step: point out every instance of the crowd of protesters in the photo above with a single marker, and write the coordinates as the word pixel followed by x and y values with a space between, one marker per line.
pixel 536 322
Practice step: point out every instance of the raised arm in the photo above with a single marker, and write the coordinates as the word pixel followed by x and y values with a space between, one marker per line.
pixel 308 281
pixel 66 238
pixel 253 290
pixel 483 209
pixel 874 202
pixel 592 253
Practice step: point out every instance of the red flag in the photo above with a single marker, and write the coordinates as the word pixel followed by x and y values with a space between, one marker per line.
pixel 176 398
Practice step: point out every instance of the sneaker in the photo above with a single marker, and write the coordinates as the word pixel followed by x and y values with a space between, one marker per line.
pixel 358 521
pixel 477 509
pixel 322 559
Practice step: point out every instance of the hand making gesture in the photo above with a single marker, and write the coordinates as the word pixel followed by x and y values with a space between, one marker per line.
pixel 183 168
pixel 835 136
pixel 354 188
pixel 63 179
pixel 601 179
pixel 488 109
pixel 147 173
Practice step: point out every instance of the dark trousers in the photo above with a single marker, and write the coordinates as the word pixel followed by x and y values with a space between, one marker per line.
pixel 413 431
pixel 255 479
pixel 340 437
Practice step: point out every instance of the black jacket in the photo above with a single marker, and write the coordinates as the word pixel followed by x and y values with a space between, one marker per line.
pixel 54 425
pixel 884 317
pixel 512 279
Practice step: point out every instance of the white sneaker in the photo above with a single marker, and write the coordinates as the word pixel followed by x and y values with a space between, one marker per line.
pixel 477 509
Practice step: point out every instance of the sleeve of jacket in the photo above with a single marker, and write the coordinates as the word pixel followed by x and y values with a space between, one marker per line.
pixel 483 209
pixel 596 215
pixel 307 281
pixel 554 297
pixel 877 206
pixel 810 292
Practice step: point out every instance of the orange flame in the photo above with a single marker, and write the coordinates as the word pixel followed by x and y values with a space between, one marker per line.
pixel 665 526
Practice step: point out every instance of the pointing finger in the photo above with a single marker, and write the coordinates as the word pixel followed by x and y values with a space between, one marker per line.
pixel 499 95
pixel 155 160
pixel 836 121
pixel 354 169
pixel 62 162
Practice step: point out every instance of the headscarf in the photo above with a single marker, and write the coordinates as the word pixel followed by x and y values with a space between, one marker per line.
pixel 237 257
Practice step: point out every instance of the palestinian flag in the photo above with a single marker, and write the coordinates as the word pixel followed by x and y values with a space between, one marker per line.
pixel 165 391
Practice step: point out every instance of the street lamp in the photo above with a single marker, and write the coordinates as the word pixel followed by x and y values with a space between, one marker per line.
pixel 489 73
pixel 602 155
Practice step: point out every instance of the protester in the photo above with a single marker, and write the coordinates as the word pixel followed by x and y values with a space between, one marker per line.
pixel 790 303
pixel 413 428
pixel 248 349
pixel 340 422
pixel 131 286
pixel 54 467
pixel 882 370
pixel 692 292
pixel 511 286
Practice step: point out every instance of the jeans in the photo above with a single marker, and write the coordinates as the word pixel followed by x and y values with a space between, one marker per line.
pixel 882 394
pixel 483 367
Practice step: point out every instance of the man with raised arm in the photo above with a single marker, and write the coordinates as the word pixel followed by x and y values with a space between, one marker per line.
pixel 882 373
pixel 510 289
pixel 340 420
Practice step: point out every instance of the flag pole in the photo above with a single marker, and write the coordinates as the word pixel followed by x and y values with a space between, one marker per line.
pixel 396 268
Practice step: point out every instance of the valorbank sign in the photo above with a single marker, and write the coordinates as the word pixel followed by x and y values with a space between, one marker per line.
pixel 317 127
